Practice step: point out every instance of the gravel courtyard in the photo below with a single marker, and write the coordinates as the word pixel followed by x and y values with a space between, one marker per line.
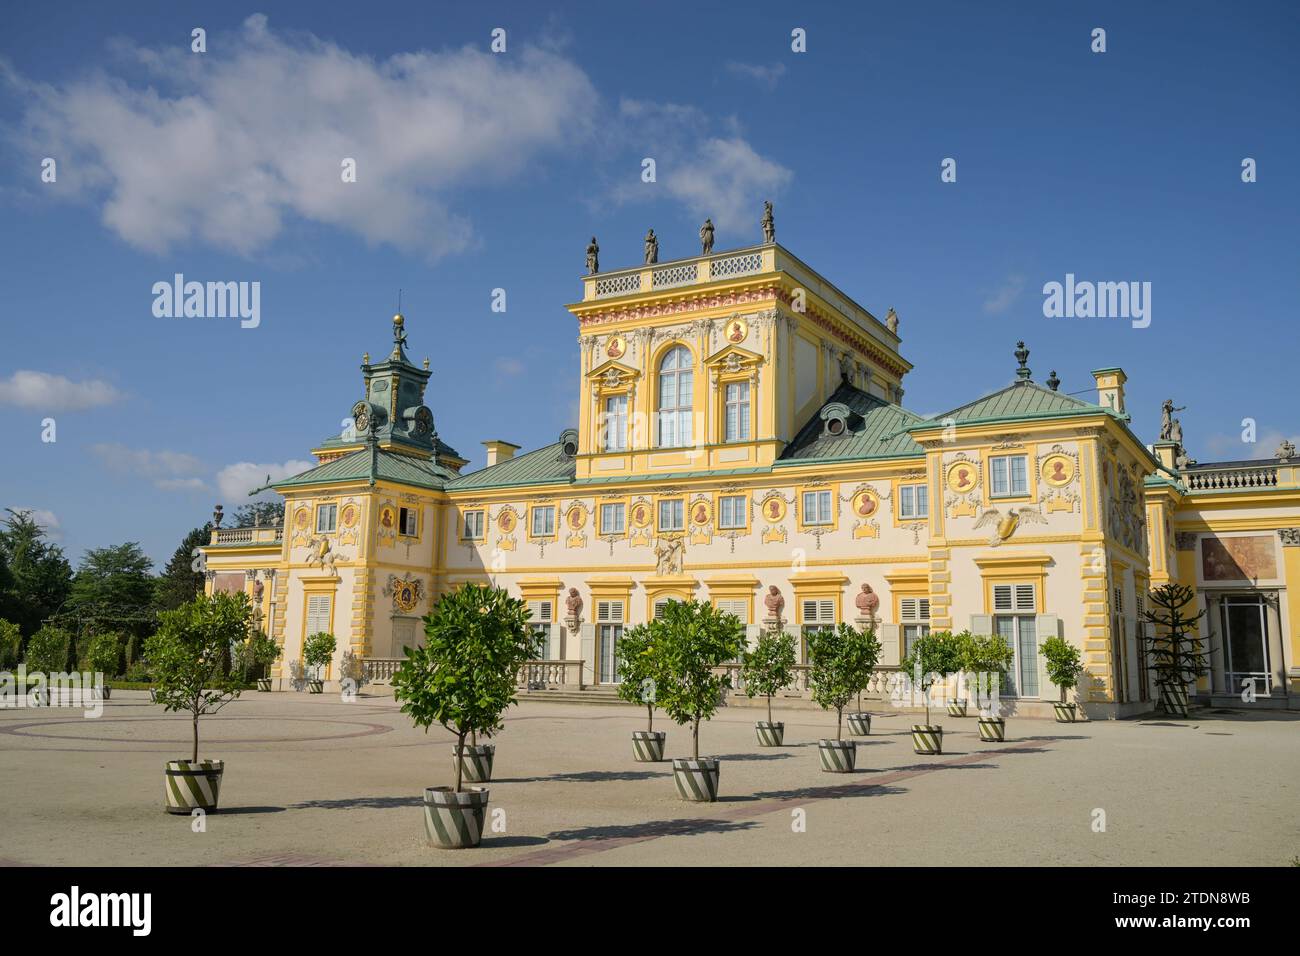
pixel 317 781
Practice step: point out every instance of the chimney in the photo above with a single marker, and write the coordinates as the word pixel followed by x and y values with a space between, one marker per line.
pixel 1110 388
pixel 499 451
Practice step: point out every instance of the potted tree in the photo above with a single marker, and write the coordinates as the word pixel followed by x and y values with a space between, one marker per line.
pixel 1177 654
pixel 186 659
pixel 962 647
pixel 765 670
pixel 637 685
pixel 690 641
pixel 934 657
pixel 986 658
pixel 842 660
pixel 859 721
pixel 463 678
pixel 103 657
pixel 47 653
pixel 317 652
pixel 256 655
pixel 1064 666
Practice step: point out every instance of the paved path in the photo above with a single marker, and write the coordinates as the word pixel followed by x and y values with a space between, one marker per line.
pixel 314 781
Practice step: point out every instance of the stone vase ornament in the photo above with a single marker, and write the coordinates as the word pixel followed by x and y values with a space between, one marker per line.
pixel 475 762
pixel 770 733
pixel 648 745
pixel 993 729
pixel 837 756
pixel 1065 713
pixel 454 821
pixel 697 780
pixel 927 738
pixel 859 724
pixel 190 785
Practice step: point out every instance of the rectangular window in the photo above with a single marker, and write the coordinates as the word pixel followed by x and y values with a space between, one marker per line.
pixel 737 411
pixel 408 522
pixel 327 517
pixel 615 424
pixel 609 631
pixel 612 518
pixel 1008 476
pixel 473 529
pixel 731 512
pixel 737 606
pixel 817 507
pixel 544 521
pixel 913 501
pixel 818 615
pixel 1015 622
pixel 540 625
pixel 318 614
pixel 915 618
pixel 671 515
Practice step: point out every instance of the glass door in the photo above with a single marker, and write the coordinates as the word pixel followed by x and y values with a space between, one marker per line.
pixel 1245 629
pixel 609 636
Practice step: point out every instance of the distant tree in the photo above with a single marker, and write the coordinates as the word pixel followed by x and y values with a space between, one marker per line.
pixel 260 514
pixel 116 576
pixel 38 575
pixel 179 582
pixel 11 645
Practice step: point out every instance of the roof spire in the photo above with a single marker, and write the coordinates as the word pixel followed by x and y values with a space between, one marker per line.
pixel 1022 356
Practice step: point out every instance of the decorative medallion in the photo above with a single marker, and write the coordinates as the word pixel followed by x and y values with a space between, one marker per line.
pixel 865 504
pixel 301 517
pixel 735 330
pixel 507 520
pixel 640 515
pixel 576 517
pixel 1058 470
pixel 963 476
pixel 406 592
pixel 349 515
pixel 773 508
pixel 701 511
pixel 616 347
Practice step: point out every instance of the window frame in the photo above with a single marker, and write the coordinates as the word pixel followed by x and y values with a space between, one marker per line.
pixel 917 492
pixel 744 412
pixel 679 413
pixel 533 511
pixel 742 505
pixel 659 515
pixel 622 523
pixel 1010 491
pixel 482 525
pixel 334 517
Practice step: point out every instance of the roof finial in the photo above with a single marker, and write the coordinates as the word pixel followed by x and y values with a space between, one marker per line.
pixel 1053 382
pixel 1022 356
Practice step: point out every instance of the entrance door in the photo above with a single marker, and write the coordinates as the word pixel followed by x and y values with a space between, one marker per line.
pixel 1245 628
pixel 609 635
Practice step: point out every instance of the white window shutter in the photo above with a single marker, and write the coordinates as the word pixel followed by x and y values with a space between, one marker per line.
pixel 827 612
pixel 587 642
pixel 810 612
pixel 1048 626
pixel 1002 597
pixel 907 608
pixel 1025 598
pixel 981 625
pixel 891 644
pixel 924 609
pixel 752 633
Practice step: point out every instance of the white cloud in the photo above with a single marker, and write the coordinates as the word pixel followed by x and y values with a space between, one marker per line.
pixel 705 164
pixel 55 393
pixel 1005 296
pixel 234 482
pixel 48 520
pixel 1221 447
pixel 509 366
pixel 767 76
pixel 181 484
pixel 221 148
pixel 147 464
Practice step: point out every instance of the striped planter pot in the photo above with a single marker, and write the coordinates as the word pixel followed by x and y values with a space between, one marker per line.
pixel 956 708
pixel 1065 713
pixel 454 821
pixel 993 729
pixel 1173 698
pixel 153 694
pixel 770 734
pixel 838 756
pixel 697 780
pixel 475 762
pixel 315 687
pixel 192 785
pixel 927 738
pixel 859 724
pixel 648 745
pixel 264 685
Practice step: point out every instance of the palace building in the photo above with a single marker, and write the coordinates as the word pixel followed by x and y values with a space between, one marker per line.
pixel 742 440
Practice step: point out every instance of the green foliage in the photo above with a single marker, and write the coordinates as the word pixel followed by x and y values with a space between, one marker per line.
pixel 39 577
pixel 1177 654
pixel 48 650
pixel 259 514
pixel 256 654
pixel 842 660
pixel 984 656
pixel 104 654
pixel 179 581
pixel 1064 663
pixel 118 576
pixel 934 656
pixel 186 655
pixel 11 645
pixel 770 665
pixel 318 649
pixel 475 640
pixel 639 679
pixel 689 641
pixel 137 673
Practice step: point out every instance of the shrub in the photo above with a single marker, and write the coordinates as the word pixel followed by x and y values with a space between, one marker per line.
pixel 934 656
pixel 104 654
pixel 637 673
pixel 11 645
pixel 256 655
pixel 318 650
pixel 47 651
pixel 986 658
pixel 769 667
pixel 842 660
pixel 1064 663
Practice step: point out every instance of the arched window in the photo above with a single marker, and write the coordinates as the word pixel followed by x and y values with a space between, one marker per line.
pixel 676 387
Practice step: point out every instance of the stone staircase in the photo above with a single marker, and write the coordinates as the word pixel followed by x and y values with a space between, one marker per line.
pixel 588 695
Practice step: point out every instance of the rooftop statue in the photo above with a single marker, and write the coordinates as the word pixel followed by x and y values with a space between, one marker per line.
pixel 706 237
pixel 1167 420
pixel 651 248
pixel 769 226
pixel 891 320
pixel 593 257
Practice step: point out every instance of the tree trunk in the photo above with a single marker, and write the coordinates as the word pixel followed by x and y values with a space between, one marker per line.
pixel 650 719
pixel 695 738
pixel 460 750
pixel 195 758
pixel 769 708
pixel 839 722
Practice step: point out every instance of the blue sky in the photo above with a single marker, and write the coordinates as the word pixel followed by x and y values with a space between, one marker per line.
pixel 479 171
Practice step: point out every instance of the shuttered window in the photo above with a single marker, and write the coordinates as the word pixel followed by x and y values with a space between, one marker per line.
pixel 915 618
pixel 1014 607
pixel 1014 597
pixel 318 613
pixel 737 606
pixel 609 612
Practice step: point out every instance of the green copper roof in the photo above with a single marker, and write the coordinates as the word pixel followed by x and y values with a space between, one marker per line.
pixel 876 429
pixel 388 466
pixel 1024 399
pixel 546 465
